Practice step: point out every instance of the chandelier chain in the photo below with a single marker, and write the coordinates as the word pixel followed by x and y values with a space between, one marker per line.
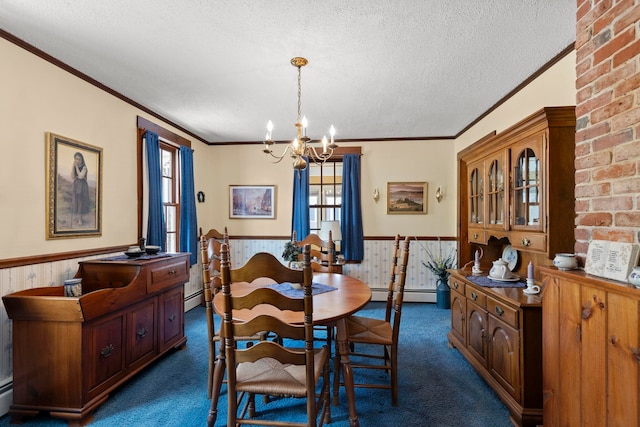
pixel 299 93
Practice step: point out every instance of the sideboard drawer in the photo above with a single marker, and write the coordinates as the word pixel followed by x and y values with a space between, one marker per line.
pixel 456 285
pixel 476 296
pixel 503 312
pixel 529 241
pixel 167 274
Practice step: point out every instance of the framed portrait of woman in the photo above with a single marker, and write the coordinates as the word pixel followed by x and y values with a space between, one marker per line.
pixel 74 188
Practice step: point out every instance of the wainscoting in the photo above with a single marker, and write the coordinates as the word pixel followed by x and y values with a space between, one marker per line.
pixel 374 270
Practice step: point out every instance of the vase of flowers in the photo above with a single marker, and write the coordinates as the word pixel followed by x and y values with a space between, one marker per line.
pixel 438 264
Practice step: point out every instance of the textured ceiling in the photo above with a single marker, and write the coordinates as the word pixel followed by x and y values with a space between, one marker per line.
pixel 377 68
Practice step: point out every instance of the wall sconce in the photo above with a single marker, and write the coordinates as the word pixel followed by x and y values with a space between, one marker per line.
pixel 376 194
pixel 439 193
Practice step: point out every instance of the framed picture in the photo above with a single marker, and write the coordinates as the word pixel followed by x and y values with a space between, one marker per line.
pixel 406 197
pixel 252 201
pixel 74 188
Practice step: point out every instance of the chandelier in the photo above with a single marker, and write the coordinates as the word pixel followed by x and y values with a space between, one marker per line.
pixel 301 146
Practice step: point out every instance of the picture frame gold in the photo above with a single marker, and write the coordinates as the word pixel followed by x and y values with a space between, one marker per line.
pixel 406 198
pixel 252 201
pixel 74 188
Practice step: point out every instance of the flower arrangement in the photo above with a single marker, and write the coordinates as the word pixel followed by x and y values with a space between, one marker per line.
pixel 291 252
pixel 438 263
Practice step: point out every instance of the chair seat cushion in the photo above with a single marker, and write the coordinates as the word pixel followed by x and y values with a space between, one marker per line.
pixel 368 330
pixel 269 376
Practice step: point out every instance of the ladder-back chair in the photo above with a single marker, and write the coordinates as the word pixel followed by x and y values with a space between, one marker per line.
pixel 269 368
pixel 381 332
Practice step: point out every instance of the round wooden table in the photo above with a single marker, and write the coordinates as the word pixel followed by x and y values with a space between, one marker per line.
pixel 329 308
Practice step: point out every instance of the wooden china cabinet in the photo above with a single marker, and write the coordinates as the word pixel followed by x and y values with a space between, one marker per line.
pixel 516 191
pixel 517 188
pixel 69 353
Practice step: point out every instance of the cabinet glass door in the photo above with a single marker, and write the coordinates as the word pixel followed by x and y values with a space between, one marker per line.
pixel 526 189
pixel 476 203
pixel 495 194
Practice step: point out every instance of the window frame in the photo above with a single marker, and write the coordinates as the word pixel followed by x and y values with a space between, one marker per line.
pixel 166 137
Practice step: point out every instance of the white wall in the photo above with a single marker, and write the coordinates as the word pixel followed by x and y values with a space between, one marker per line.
pixel 38 97
pixel 382 162
pixel 554 88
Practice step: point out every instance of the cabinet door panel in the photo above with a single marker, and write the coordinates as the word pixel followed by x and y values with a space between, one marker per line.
pixel 106 351
pixel 477 332
pixel 593 335
pixel 171 324
pixel 142 331
pixel 570 319
pixel 458 314
pixel 551 354
pixel 624 346
pixel 504 356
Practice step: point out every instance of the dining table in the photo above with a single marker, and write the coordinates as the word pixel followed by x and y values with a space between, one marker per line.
pixel 346 296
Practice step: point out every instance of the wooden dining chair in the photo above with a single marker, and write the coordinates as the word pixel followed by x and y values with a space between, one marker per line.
pixel 210 246
pixel 269 368
pixel 320 261
pixel 383 333
pixel 214 240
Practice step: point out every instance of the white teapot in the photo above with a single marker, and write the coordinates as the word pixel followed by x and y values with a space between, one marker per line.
pixel 500 269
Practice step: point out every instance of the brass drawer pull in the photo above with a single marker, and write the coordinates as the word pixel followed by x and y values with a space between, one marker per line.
pixel 526 242
pixel 475 235
pixel 172 317
pixel 142 332
pixel 455 285
pixel 499 310
pixel 106 351
pixel 172 272
pixel 474 296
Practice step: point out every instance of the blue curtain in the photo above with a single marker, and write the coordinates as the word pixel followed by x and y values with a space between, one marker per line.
pixel 156 227
pixel 188 220
pixel 300 214
pixel 352 245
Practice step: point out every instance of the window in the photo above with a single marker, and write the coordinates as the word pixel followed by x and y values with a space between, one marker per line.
pixel 170 194
pixel 169 144
pixel 325 193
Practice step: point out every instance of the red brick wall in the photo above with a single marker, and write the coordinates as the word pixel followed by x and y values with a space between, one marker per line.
pixel 608 122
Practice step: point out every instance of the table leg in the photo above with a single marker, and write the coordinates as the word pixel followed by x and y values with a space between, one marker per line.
pixel 347 372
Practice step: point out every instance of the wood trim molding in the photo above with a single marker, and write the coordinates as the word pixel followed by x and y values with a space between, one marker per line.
pixel 61 256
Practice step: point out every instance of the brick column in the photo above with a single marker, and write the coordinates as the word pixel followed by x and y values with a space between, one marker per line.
pixel 608 122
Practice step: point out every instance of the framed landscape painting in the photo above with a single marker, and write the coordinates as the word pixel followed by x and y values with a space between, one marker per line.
pixel 252 201
pixel 74 188
pixel 406 197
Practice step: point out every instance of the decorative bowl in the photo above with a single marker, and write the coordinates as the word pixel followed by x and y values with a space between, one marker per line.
pixel 565 261
pixel 152 250
pixel 134 254
pixel 634 277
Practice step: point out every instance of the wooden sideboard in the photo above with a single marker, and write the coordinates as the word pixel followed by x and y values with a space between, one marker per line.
pixel 499 331
pixel 69 353
pixel 591 344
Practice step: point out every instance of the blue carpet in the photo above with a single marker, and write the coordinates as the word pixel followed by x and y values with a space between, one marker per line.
pixel 437 386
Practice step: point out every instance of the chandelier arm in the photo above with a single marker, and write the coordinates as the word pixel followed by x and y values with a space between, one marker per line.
pixel 318 158
pixel 279 158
